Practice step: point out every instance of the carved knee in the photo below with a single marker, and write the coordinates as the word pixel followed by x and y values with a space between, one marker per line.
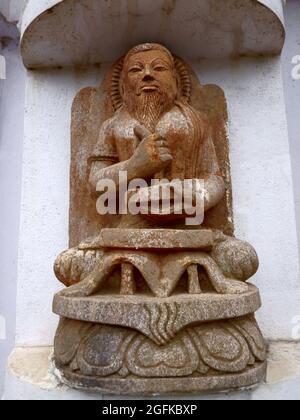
pixel 237 259
pixel 74 265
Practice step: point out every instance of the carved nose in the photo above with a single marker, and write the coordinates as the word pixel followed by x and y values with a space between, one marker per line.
pixel 148 78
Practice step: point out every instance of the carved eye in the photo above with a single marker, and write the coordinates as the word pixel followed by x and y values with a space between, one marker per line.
pixel 135 70
pixel 160 68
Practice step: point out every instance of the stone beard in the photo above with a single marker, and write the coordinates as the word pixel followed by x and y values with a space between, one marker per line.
pixel 148 107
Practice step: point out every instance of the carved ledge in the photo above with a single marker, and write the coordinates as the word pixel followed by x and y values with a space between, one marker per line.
pixel 52 30
pixel 168 386
pixel 161 239
pixel 145 313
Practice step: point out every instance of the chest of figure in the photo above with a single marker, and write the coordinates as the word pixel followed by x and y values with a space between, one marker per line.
pixel 174 128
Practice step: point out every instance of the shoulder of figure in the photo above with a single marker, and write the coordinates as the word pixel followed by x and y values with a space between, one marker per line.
pixel 201 115
pixel 108 126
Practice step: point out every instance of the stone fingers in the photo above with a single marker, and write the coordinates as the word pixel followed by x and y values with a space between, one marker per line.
pixel 162 148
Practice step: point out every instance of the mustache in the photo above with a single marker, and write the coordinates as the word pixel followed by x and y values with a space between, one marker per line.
pixel 146 88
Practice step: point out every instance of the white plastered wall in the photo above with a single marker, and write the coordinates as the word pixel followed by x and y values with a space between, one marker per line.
pixel 11 136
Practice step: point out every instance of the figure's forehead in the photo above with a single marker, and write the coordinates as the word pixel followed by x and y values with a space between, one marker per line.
pixel 149 56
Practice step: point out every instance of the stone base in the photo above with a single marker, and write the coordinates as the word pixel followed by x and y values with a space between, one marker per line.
pixel 168 386
pixel 143 345
pixel 209 357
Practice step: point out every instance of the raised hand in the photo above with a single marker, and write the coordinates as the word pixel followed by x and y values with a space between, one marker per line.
pixel 152 154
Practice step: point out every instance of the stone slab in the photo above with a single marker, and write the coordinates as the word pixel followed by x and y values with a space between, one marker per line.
pixel 156 239
pixel 136 311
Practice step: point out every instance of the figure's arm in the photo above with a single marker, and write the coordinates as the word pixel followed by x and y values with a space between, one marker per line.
pixel 150 157
pixel 198 194
pixel 205 192
pixel 214 190
pixel 214 186
pixel 101 170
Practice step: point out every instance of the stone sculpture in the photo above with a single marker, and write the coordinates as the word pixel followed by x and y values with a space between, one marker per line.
pixel 154 305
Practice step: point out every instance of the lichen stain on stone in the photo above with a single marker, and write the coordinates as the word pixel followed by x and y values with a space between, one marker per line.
pixel 169 7
pixel 133 14
pixel 238 41
pixel 132 6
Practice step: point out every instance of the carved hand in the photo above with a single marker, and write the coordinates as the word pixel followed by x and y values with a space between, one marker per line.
pixel 152 154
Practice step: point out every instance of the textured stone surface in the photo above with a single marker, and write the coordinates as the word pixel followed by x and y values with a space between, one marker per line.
pixel 147 387
pixel 163 339
pixel 155 239
pixel 93 106
pixel 87 353
pixel 175 312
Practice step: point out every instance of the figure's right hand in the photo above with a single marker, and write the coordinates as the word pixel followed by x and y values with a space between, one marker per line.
pixel 152 154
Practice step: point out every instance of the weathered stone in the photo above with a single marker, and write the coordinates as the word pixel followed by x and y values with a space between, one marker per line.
pixel 170 315
pixel 154 304
pixel 92 107
pixel 188 385
pixel 156 239
pixel 98 351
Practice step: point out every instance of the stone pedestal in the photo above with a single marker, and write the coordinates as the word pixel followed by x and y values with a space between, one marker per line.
pixel 145 345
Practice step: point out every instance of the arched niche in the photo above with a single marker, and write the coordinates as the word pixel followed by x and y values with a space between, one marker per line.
pixel 83 32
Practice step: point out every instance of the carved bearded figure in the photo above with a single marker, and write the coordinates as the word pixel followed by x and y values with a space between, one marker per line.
pixel 153 304
pixel 157 134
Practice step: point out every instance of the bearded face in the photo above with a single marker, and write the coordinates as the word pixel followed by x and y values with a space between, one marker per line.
pixel 149 86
